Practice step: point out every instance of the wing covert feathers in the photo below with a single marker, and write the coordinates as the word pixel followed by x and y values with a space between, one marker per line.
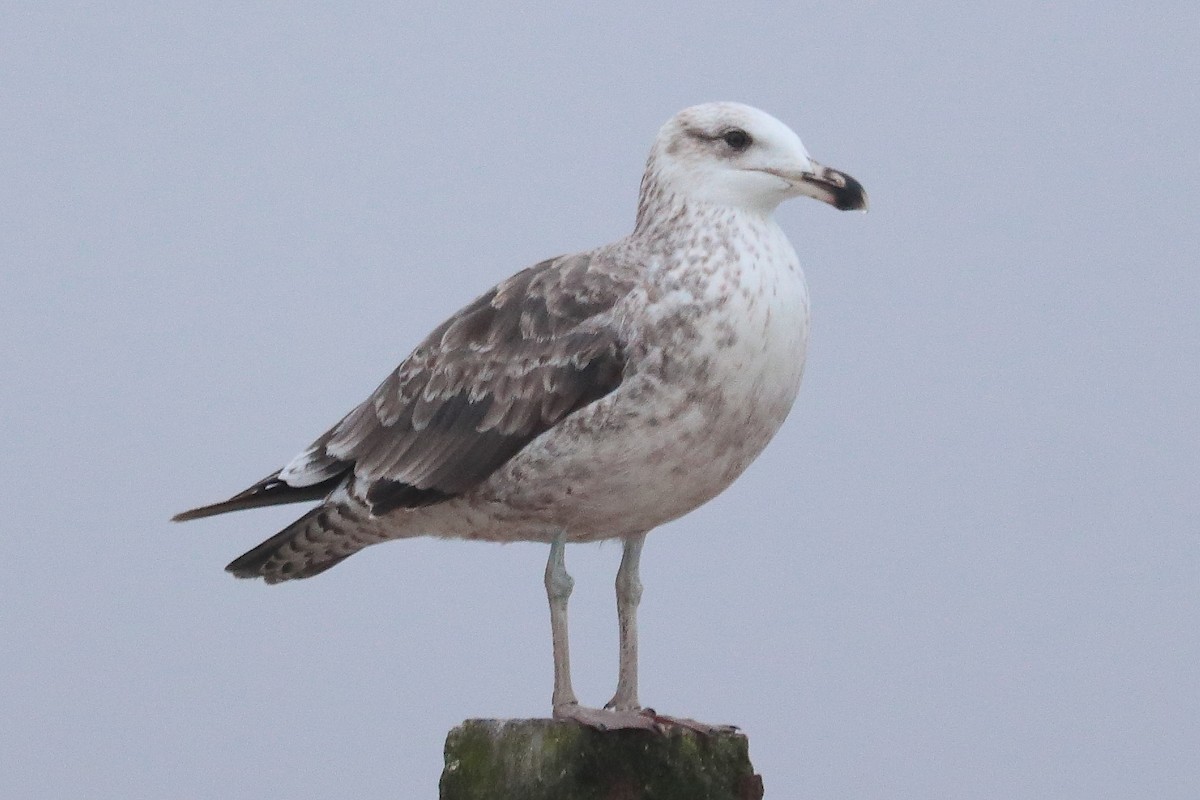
pixel 485 383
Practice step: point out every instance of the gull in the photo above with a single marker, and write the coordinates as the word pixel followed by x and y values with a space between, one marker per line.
pixel 591 396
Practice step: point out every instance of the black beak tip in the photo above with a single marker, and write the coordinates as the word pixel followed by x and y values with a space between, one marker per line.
pixel 851 197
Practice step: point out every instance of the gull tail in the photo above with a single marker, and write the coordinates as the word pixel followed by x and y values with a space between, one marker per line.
pixel 320 539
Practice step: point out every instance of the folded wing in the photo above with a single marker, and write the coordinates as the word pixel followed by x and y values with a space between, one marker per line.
pixel 504 370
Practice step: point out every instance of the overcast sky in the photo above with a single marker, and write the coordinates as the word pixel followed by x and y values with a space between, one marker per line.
pixel 968 566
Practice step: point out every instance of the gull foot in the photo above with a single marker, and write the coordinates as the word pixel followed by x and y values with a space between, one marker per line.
pixel 687 723
pixel 646 719
pixel 604 720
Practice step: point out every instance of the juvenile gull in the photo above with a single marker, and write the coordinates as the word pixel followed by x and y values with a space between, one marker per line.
pixel 592 396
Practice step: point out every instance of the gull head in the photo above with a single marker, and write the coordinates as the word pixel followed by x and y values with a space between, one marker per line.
pixel 729 154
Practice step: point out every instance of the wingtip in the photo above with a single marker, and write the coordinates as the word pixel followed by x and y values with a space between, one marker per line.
pixel 197 513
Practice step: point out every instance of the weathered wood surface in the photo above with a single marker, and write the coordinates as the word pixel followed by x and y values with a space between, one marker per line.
pixel 543 759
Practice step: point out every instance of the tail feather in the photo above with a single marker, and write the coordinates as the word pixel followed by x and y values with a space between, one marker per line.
pixel 270 491
pixel 312 544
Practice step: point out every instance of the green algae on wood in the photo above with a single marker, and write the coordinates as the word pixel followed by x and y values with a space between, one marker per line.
pixel 543 759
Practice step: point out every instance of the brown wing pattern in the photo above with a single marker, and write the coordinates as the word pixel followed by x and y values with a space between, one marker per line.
pixel 489 380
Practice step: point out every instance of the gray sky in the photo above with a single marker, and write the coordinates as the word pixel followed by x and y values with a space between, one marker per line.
pixel 968 567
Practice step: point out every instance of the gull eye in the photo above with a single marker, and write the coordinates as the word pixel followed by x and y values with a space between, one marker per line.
pixel 737 138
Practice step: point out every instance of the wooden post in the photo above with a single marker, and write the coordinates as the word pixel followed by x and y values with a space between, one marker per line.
pixel 544 759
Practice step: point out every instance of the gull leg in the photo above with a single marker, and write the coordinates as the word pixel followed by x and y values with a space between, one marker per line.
pixel 629 594
pixel 565 705
pixel 558 590
pixel 624 712
pixel 624 704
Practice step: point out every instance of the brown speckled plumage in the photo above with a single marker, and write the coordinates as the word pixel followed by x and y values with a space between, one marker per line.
pixel 598 394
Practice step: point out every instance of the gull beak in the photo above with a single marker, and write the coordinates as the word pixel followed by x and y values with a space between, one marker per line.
pixel 833 187
pixel 827 185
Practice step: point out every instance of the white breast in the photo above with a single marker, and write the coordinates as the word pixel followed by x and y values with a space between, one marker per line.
pixel 724 352
pixel 755 345
pixel 716 345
